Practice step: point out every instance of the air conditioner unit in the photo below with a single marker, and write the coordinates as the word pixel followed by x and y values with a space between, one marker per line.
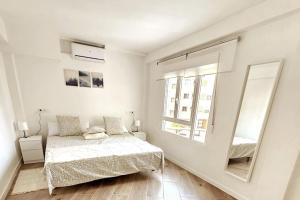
pixel 87 52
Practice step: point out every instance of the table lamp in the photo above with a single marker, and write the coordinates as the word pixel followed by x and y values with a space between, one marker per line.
pixel 22 126
pixel 137 123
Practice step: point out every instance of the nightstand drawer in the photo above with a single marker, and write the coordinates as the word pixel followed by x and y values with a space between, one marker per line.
pixel 33 156
pixel 31 145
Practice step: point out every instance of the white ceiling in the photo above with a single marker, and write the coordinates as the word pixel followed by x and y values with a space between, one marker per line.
pixel 137 25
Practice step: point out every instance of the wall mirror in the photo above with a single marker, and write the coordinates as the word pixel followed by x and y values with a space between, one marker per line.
pixel 256 100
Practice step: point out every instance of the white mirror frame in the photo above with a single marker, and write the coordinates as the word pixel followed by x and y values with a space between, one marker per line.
pixel 274 89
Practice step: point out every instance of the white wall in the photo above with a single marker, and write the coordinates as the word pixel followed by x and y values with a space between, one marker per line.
pixel 9 154
pixel 42 86
pixel 14 87
pixel 3 36
pixel 32 36
pixel 293 192
pixel 9 157
pixel 279 38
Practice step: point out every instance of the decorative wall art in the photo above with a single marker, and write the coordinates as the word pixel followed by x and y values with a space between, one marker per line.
pixel 71 77
pixel 97 80
pixel 83 78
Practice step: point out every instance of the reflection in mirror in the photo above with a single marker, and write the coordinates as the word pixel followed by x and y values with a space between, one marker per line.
pixel 259 89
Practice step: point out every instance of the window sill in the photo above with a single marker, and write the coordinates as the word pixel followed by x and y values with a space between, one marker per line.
pixel 201 142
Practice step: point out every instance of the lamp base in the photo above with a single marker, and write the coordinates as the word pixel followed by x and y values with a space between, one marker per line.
pixel 25 136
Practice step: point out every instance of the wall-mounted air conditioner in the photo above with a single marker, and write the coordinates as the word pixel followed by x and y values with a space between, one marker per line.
pixel 88 52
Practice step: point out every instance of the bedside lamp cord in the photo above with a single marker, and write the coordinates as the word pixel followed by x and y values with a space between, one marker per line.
pixel 40 125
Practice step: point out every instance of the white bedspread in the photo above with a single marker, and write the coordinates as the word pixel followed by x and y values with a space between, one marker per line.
pixel 73 160
pixel 242 147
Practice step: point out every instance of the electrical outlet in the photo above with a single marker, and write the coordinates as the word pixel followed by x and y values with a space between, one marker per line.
pixel 41 110
pixel 131 112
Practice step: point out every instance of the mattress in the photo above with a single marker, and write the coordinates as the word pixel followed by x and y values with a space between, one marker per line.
pixel 242 148
pixel 73 160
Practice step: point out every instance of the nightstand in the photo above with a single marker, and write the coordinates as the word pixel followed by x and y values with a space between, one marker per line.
pixel 32 149
pixel 140 135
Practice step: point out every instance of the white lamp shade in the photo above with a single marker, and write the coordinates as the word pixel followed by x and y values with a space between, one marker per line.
pixel 137 123
pixel 22 126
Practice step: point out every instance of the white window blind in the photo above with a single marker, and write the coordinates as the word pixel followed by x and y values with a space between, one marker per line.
pixel 199 63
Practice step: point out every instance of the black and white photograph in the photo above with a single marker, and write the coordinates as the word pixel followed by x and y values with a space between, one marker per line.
pixel 97 79
pixel 84 79
pixel 71 77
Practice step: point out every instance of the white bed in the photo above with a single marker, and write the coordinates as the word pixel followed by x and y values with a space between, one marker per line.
pixel 242 148
pixel 73 160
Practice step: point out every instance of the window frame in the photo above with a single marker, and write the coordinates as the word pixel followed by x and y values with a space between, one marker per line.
pixel 192 122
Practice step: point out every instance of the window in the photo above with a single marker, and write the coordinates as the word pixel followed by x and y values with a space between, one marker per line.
pixel 187 106
pixel 176 128
pixel 186 88
pixel 170 96
pixel 204 104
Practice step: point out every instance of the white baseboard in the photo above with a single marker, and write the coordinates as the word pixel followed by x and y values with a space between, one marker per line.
pixel 206 178
pixel 11 180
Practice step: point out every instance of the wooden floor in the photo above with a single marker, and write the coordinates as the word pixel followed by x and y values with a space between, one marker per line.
pixel 175 184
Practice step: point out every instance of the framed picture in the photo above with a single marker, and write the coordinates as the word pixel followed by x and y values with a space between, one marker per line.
pixel 97 80
pixel 71 77
pixel 84 79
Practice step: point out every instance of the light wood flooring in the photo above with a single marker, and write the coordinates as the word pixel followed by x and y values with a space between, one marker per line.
pixel 175 184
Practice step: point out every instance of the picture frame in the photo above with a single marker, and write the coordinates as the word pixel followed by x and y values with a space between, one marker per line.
pixel 97 80
pixel 84 79
pixel 71 77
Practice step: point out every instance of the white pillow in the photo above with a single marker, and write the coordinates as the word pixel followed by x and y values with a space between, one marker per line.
pixel 114 125
pixel 95 129
pixel 68 125
pixel 95 136
pixel 53 129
